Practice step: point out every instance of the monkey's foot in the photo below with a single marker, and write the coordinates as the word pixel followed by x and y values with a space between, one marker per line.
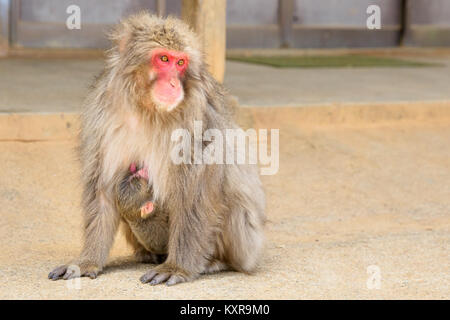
pixel 165 273
pixel 71 271
pixel 146 209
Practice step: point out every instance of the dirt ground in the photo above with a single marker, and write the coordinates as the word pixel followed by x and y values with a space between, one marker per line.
pixel 354 212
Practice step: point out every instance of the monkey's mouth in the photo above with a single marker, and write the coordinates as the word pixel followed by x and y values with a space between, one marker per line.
pixel 167 94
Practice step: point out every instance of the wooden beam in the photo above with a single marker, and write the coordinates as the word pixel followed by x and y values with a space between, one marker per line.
pixel 161 7
pixel 208 19
pixel 4 26
pixel 405 22
pixel 285 19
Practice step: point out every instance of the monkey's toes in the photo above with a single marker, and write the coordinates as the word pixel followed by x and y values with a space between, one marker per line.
pixel 91 274
pixel 57 273
pixel 67 272
pixel 174 279
pixel 162 274
pixel 147 277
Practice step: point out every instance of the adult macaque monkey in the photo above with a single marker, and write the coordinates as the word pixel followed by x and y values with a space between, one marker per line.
pixel 206 218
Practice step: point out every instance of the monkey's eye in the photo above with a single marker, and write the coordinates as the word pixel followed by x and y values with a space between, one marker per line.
pixel 164 58
pixel 180 62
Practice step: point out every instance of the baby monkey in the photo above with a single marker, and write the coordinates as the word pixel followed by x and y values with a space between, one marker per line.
pixel 134 193
pixel 145 225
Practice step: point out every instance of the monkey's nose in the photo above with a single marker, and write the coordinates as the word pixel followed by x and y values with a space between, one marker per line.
pixel 173 82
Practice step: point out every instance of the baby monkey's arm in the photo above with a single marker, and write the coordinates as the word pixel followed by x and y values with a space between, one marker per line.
pixel 147 207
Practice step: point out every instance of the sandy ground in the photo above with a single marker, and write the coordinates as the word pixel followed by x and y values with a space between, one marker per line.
pixel 350 203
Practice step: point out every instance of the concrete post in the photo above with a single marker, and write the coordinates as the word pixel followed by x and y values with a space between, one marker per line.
pixel 4 26
pixel 285 20
pixel 161 7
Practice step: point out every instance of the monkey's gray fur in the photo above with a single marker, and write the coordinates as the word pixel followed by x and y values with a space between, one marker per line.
pixel 214 213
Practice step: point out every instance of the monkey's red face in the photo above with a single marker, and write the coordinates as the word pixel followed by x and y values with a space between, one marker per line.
pixel 167 69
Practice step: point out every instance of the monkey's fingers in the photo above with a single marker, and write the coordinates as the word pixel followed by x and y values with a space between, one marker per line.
pixel 163 274
pixel 71 273
pixel 154 278
pixel 57 273
pixel 148 276
pixel 91 274
pixel 67 272
pixel 160 278
pixel 146 209
pixel 174 279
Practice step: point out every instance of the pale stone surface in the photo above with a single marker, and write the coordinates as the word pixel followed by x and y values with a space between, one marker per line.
pixel 60 85
pixel 257 85
pixel 346 197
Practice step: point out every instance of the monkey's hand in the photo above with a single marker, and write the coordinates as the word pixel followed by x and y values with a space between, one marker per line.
pixel 70 271
pixel 166 273
pixel 146 209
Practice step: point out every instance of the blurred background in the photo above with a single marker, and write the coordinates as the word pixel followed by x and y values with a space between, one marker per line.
pixel 249 24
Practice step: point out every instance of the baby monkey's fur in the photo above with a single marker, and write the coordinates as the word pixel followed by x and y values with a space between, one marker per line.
pixel 148 235
pixel 206 218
